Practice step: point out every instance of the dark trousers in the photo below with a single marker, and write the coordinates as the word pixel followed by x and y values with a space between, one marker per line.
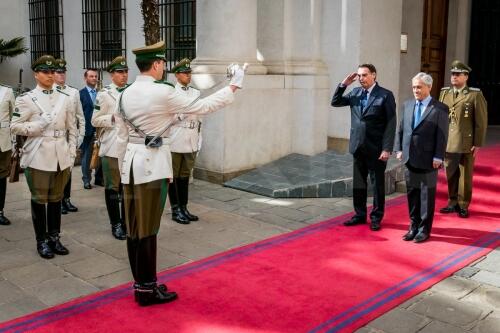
pixel 86 147
pixel 365 165
pixel 421 193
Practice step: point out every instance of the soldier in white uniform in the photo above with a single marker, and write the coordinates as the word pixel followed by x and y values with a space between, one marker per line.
pixel 185 140
pixel 147 106
pixel 60 84
pixel 46 116
pixel 6 108
pixel 104 108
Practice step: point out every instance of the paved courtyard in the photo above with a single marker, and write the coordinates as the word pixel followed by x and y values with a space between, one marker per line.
pixel 469 301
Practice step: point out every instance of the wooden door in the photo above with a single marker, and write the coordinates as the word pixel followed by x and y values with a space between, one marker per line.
pixel 434 42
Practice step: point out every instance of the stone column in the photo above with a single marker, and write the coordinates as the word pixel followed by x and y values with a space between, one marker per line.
pixel 226 32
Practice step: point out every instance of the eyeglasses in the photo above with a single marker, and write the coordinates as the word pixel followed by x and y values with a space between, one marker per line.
pixel 121 71
pixel 46 71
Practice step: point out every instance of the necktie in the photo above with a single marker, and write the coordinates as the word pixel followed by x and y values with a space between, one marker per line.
pixel 456 94
pixel 418 114
pixel 364 98
pixel 93 95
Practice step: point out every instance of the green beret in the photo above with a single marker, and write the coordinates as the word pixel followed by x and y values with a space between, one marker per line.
pixel 60 65
pixel 460 67
pixel 44 62
pixel 183 66
pixel 117 63
pixel 155 51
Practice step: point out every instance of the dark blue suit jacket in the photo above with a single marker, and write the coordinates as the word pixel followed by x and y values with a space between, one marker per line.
pixel 428 140
pixel 88 110
pixel 373 127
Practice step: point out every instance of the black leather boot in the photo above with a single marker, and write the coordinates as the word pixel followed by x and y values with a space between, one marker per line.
pixel 3 191
pixel 44 249
pixel 183 193
pixel 132 255
pixel 69 206
pixel 64 208
pixel 54 228
pixel 113 207
pixel 177 214
pixel 39 218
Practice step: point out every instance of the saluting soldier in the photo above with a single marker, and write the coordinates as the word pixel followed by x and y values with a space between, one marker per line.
pixel 102 119
pixel 185 142
pixel 147 107
pixel 60 84
pixel 6 109
pixel 46 116
pixel 468 118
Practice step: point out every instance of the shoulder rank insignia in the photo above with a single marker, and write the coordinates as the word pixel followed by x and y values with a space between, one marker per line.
pixel 445 88
pixel 165 82
pixel 62 92
pixel 474 89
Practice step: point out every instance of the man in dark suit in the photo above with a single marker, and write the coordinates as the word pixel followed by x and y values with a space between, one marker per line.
pixel 420 144
pixel 373 124
pixel 87 98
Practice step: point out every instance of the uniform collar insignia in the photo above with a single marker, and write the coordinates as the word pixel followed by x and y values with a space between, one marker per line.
pixel 48 92
pixel 184 88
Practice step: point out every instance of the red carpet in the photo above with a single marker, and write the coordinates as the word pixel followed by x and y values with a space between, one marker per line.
pixel 323 278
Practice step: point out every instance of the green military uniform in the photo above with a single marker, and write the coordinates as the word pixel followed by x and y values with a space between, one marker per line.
pixel 468 122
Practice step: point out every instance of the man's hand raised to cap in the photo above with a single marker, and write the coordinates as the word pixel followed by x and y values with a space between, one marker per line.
pixel 350 79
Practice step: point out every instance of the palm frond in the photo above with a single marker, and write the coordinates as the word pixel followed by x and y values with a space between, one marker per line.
pixel 12 48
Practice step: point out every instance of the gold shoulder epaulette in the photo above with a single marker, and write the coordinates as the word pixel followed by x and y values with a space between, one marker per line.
pixel 445 88
pixel 474 89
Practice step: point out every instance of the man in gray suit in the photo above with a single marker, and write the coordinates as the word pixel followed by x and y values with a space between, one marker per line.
pixel 420 144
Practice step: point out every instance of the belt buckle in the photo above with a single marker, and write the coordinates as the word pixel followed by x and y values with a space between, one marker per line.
pixel 56 133
pixel 191 124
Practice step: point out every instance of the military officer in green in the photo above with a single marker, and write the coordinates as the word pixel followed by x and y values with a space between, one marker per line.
pixel 147 107
pixel 102 120
pixel 467 132
pixel 6 109
pixel 185 142
pixel 60 84
pixel 46 116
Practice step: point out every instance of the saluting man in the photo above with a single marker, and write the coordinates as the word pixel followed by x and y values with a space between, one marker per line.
pixel 147 107
pixel 6 108
pixel 102 119
pixel 46 116
pixel 60 84
pixel 468 118
pixel 185 142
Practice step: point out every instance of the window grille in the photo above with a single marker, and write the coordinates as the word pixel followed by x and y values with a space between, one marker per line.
pixel 178 29
pixel 46 28
pixel 103 32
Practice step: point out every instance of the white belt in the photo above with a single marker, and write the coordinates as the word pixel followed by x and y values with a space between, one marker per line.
pixel 54 133
pixel 142 141
pixel 4 124
pixel 192 124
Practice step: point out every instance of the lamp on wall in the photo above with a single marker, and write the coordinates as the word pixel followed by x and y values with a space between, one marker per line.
pixel 404 42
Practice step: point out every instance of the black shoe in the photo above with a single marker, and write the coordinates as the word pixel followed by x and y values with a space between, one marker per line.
pixel 421 237
pixel 98 183
pixel 375 226
pixel 178 216
pixel 410 235
pixel 354 221
pixel 153 295
pixel 87 186
pixel 449 209
pixel 3 219
pixel 56 246
pixel 44 249
pixel 187 214
pixel 118 231
pixel 463 213
pixel 64 208
pixel 69 206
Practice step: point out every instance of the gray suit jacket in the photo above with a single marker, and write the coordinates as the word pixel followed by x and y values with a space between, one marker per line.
pixel 428 140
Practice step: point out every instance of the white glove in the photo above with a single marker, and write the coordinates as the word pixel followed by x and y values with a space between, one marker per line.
pixel 236 73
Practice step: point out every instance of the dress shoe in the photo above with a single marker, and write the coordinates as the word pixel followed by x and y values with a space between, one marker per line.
pixel 354 221
pixel 56 246
pixel 44 250
pixel 410 235
pixel 449 209
pixel 146 295
pixel 187 214
pixel 69 206
pixel 87 186
pixel 64 208
pixel 375 226
pixel 178 216
pixel 118 231
pixel 98 183
pixel 463 213
pixel 421 237
pixel 3 219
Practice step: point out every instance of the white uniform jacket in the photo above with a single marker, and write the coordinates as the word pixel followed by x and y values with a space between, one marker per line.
pixel 151 106
pixel 185 135
pixel 75 95
pixel 6 108
pixel 49 144
pixel 104 108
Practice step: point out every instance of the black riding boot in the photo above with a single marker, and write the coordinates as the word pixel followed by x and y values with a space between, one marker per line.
pixel 113 206
pixel 3 191
pixel 39 217
pixel 173 195
pixel 183 193
pixel 132 255
pixel 54 228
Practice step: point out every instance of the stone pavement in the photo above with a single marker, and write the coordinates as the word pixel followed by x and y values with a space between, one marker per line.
pixel 468 301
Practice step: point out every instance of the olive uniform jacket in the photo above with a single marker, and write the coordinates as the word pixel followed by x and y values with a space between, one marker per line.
pixel 468 118
pixel 7 101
